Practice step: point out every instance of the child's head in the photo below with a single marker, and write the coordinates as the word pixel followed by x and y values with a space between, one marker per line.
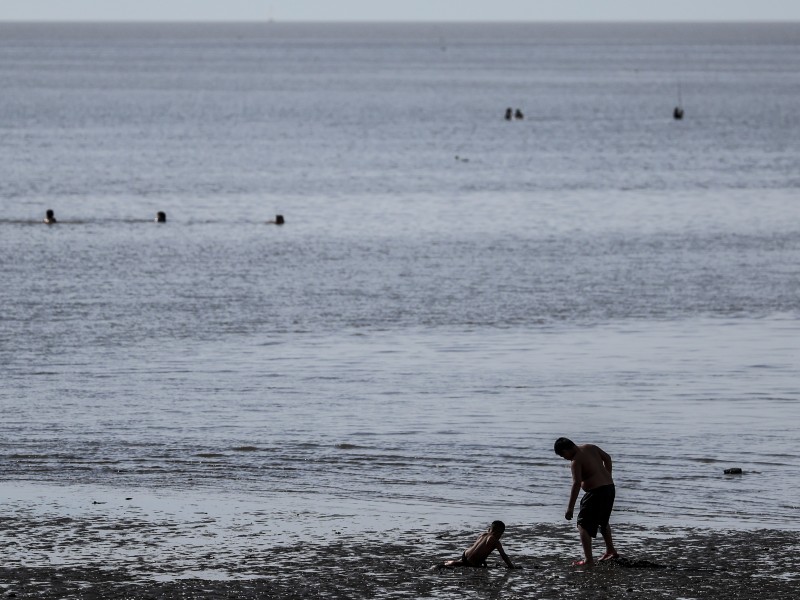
pixel 497 527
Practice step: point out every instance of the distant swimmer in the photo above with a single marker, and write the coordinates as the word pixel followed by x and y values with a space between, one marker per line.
pixel 518 115
pixel 161 217
pixel 50 217
pixel 509 113
pixel 677 114
pixel 487 542
pixel 278 220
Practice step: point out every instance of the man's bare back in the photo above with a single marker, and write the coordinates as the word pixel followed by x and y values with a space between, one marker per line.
pixel 591 466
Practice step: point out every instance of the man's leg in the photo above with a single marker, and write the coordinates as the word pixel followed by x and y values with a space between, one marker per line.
pixel 586 542
pixel 610 551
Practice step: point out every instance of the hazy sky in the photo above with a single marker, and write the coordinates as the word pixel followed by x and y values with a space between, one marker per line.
pixel 404 10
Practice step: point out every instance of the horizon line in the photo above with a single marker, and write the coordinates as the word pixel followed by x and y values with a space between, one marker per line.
pixel 269 21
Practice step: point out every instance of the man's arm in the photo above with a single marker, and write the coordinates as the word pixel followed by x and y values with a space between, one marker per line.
pixel 606 460
pixel 577 477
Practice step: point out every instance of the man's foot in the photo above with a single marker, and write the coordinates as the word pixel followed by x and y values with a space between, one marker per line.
pixel 582 563
pixel 608 556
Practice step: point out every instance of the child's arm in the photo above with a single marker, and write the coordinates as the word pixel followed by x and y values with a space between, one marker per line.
pixel 504 556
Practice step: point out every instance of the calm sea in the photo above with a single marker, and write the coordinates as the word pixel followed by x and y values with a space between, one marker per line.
pixel 450 293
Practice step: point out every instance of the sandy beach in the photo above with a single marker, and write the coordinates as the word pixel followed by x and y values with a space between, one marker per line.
pixel 136 558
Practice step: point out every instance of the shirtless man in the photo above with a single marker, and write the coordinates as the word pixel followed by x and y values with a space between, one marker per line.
pixel 591 470
pixel 475 555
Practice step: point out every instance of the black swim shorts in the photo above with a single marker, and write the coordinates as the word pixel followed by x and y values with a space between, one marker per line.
pixel 596 508
pixel 464 559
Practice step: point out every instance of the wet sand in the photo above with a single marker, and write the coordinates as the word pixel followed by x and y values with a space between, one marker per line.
pixel 99 557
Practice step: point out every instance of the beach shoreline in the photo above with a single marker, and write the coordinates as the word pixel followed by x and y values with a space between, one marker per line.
pixel 130 558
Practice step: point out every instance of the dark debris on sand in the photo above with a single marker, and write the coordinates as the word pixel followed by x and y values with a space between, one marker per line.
pixel 663 563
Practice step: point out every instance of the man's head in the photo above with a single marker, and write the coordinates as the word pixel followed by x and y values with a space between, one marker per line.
pixel 497 527
pixel 565 448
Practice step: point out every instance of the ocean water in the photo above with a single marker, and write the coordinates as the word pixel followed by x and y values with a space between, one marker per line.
pixel 450 293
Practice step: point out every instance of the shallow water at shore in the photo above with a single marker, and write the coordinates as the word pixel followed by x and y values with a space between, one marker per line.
pixel 436 425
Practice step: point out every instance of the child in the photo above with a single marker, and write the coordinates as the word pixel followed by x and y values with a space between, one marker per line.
pixel 475 555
